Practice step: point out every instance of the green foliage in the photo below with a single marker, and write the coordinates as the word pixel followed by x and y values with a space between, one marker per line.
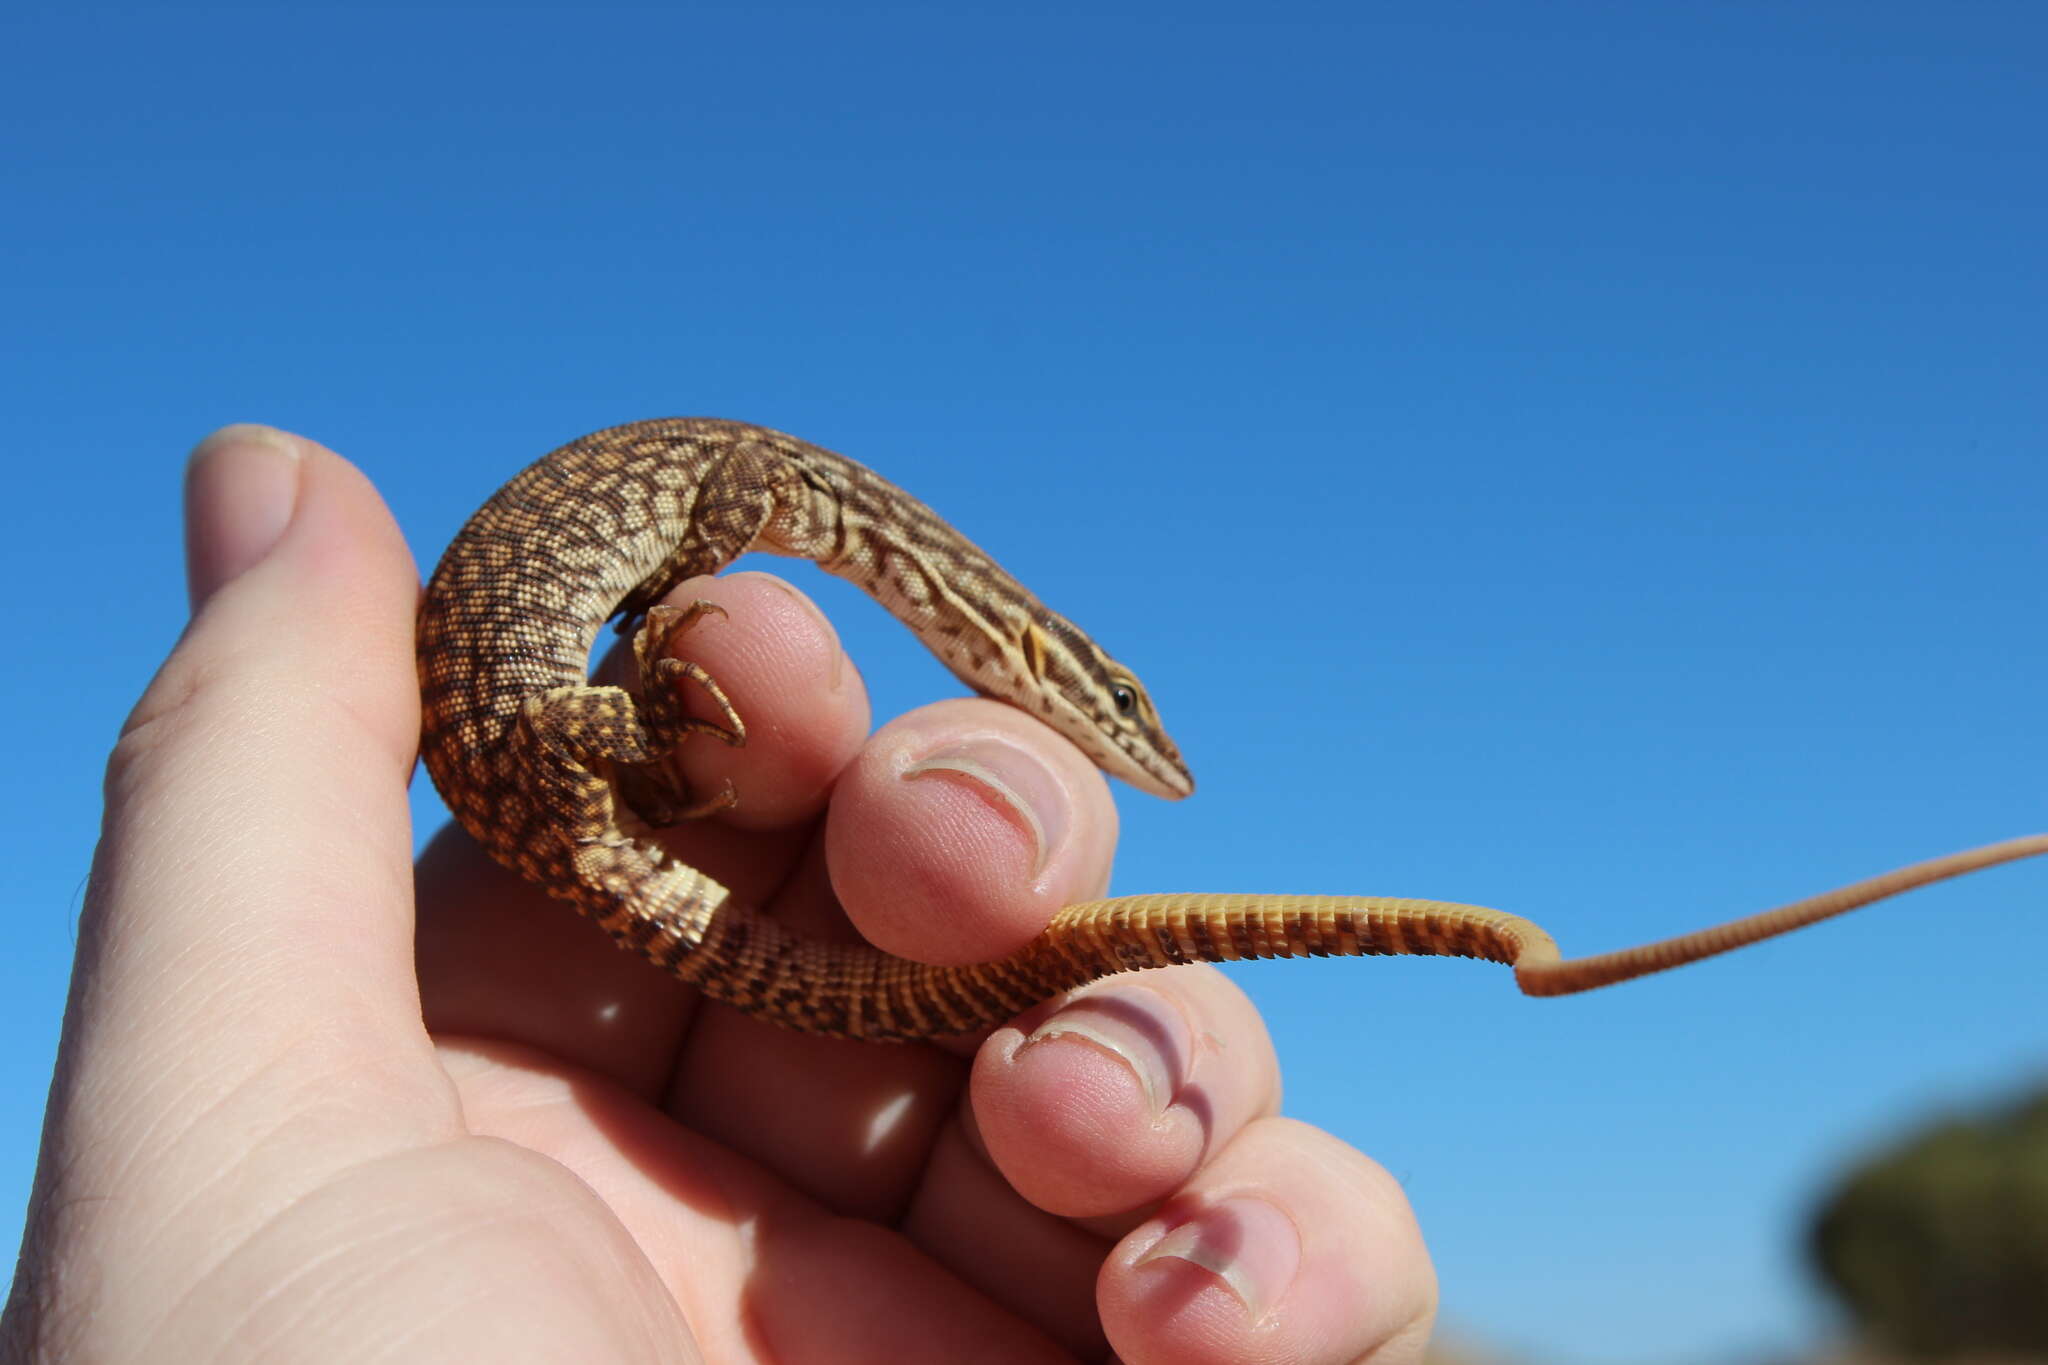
pixel 1940 1247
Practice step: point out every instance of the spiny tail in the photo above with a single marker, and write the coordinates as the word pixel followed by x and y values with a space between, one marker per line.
pixel 853 991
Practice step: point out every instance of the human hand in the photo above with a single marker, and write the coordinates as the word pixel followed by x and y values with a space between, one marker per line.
pixel 278 1131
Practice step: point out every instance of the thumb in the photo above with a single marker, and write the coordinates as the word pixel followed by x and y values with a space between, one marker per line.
pixel 245 951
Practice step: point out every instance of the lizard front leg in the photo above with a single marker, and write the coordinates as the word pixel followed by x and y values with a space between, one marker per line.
pixel 653 788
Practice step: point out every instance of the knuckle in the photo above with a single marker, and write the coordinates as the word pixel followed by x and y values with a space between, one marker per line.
pixel 171 708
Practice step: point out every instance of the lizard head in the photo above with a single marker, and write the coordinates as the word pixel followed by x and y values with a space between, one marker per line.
pixel 1076 687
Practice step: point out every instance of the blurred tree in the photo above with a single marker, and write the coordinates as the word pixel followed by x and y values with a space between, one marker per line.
pixel 1939 1248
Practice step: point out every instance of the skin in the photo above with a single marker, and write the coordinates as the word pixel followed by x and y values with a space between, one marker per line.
pixel 295 1119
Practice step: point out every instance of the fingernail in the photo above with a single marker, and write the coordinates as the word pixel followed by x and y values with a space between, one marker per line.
pixel 1135 1026
pixel 241 484
pixel 1019 784
pixel 1252 1247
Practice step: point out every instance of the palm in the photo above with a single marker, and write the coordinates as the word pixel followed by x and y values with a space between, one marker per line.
pixel 797 1197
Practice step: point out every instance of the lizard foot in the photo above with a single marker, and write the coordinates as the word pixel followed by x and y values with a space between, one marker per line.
pixel 664 675
pixel 656 791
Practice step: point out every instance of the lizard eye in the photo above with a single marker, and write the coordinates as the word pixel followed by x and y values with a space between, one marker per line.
pixel 1125 697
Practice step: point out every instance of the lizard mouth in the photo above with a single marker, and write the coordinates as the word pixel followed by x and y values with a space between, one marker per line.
pixel 1155 774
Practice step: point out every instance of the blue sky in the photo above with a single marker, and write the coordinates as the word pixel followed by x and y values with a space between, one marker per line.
pixel 1580 458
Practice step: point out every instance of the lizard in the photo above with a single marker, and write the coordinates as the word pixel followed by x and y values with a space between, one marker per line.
pixel 565 781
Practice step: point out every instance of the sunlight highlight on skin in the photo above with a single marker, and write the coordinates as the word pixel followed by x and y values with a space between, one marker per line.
pixel 884 1122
